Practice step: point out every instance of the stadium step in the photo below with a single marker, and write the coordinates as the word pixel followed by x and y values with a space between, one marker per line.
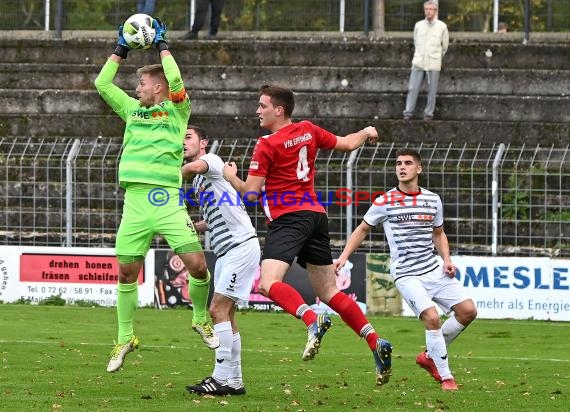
pixel 318 51
pixel 310 105
pixel 457 81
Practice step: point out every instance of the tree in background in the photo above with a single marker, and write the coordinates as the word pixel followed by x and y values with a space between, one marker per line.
pixel 291 15
pixel 477 15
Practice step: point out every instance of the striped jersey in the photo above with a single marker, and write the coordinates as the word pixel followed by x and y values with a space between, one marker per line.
pixel 408 220
pixel 228 222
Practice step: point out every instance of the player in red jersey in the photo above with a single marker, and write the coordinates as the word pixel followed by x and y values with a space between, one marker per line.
pixel 284 163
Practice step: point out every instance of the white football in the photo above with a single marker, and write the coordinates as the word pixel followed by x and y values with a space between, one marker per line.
pixel 138 31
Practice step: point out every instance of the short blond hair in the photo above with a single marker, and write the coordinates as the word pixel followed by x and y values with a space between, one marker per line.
pixel 153 70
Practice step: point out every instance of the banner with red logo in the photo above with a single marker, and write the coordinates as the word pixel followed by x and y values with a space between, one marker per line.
pixel 33 274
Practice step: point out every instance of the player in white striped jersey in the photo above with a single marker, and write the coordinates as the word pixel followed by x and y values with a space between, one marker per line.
pixel 412 218
pixel 234 241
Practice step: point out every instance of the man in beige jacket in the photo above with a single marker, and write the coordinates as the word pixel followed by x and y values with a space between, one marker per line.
pixel 431 39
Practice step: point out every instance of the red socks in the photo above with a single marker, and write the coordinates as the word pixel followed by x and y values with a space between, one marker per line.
pixel 292 302
pixel 352 315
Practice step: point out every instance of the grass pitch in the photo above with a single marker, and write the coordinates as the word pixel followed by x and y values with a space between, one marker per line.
pixel 54 359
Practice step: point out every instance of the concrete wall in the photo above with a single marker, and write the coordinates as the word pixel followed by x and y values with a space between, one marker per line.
pixel 521 94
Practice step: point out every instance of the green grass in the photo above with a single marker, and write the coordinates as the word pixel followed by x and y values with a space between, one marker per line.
pixel 54 359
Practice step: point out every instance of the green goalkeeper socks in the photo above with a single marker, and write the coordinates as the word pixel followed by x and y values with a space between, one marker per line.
pixel 199 290
pixel 127 302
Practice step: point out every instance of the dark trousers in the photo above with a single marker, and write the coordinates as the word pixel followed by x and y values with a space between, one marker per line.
pixel 202 11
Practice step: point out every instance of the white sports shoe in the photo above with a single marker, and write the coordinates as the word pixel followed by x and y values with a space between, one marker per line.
pixel 120 352
pixel 315 333
pixel 207 334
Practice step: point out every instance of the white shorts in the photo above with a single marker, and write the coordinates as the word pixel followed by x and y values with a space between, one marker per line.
pixel 235 271
pixel 420 292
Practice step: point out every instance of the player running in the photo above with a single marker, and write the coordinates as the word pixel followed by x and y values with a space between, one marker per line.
pixel 149 171
pixel 413 223
pixel 284 162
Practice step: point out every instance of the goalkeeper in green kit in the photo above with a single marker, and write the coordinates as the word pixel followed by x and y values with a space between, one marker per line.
pixel 149 171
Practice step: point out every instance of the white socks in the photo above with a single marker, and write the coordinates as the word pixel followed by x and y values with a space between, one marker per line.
pixel 236 379
pixel 227 366
pixel 222 365
pixel 437 350
pixel 451 328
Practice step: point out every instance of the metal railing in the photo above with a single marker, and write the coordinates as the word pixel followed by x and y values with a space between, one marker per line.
pixel 294 15
pixel 531 198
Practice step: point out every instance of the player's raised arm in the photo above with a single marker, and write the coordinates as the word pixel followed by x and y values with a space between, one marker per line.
pixel 171 70
pixel 251 188
pixel 112 94
pixel 354 140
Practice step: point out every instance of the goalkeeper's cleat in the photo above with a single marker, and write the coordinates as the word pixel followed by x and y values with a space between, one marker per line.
pixel 120 352
pixel 207 334
pixel 428 364
pixel 315 333
pixel 383 358
pixel 449 385
pixel 210 386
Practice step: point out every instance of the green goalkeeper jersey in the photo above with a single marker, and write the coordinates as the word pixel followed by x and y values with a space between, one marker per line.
pixel 153 142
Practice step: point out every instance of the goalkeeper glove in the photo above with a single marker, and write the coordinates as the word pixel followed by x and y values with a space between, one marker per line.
pixel 122 48
pixel 160 37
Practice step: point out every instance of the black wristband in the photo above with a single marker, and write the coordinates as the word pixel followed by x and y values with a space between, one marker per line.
pixel 121 51
pixel 161 45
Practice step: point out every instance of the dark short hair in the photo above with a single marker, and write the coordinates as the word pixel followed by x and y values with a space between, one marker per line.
pixel 199 131
pixel 280 96
pixel 409 152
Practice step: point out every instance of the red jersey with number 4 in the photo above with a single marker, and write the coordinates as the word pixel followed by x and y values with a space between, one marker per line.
pixel 286 159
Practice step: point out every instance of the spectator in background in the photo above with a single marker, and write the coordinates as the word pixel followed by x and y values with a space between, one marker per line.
pixel 200 18
pixel 503 27
pixel 431 40
pixel 146 6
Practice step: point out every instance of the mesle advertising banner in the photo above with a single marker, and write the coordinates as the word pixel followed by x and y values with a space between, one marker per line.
pixel 33 274
pixel 515 287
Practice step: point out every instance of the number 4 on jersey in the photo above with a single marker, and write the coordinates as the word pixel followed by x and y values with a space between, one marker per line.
pixel 303 168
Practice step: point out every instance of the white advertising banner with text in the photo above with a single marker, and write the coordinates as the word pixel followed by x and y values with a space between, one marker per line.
pixel 515 287
pixel 33 274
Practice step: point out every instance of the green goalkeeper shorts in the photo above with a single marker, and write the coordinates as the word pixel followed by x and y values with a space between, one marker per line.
pixel 149 210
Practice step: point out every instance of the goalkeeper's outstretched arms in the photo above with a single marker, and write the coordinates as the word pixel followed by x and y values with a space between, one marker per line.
pixel 113 95
pixel 171 70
